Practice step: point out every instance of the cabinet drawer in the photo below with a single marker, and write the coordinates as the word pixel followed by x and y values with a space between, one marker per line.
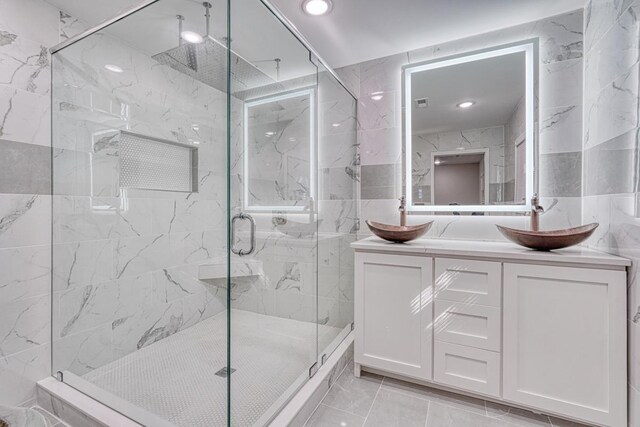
pixel 468 324
pixel 467 368
pixel 468 281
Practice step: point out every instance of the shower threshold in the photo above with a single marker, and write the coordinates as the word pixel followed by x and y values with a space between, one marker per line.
pixel 175 379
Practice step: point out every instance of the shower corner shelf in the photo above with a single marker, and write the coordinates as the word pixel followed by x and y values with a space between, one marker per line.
pixel 217 269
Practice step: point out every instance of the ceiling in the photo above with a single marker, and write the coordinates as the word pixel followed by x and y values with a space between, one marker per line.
pixel 496 85
pixel 359 30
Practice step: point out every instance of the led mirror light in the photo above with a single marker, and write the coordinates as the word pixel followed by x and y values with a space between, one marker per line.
pixel 191 37
pixel 317 7
pixel 376 96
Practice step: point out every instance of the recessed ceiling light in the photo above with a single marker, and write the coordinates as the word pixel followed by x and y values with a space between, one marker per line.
pixel 196 142
pixel 465 104
pixel 317 7
pixel 270 133
pixel 113 68
pixel 437 162
pixel 335 125
pixel 191 37
pixel 376 96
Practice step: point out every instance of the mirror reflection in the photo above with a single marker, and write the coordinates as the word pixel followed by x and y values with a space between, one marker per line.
pixel 279 146
pixel 467 132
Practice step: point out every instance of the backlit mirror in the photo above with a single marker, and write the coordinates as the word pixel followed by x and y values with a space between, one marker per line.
pixel 469 131
pixel 279 160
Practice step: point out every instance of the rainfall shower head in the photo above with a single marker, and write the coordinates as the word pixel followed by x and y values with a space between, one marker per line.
pixel 207 62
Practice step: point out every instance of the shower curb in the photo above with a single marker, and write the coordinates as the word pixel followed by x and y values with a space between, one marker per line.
pixel 302 405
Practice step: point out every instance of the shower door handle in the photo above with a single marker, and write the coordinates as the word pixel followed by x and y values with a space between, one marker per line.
pixel 243 216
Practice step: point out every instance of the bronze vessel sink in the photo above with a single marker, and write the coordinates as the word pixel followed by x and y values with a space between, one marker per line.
pixel 549 240
pixel 398 233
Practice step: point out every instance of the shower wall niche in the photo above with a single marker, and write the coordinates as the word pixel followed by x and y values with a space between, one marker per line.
pixel 153 311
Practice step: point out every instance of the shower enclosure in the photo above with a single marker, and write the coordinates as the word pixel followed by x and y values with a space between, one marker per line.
pixel 204 171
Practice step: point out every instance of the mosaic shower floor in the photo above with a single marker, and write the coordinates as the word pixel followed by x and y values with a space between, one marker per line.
pixel 176 379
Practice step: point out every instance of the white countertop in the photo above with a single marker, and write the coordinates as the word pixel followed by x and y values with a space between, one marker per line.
pixel 502 251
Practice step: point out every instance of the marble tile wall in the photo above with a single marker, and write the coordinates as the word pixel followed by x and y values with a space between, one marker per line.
pixel 611 174
pixel 27 29
pixel 560 110
pixel 301 271
pixel 125 260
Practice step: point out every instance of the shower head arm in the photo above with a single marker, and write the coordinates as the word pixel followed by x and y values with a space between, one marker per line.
pixel 207 15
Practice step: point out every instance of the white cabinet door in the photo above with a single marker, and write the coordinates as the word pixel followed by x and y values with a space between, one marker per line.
pixel 564 341
pixel 393 313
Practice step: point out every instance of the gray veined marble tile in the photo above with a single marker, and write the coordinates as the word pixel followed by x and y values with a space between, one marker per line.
pixel 442 415
pixel 615 52
pixel 561 129
pixel 325 416
pixel 515 416
pixel 24 116
pixel 24 64
pixel 354 395
pixel 561 37
pixel 612 111
pixel 379 113
pixel 561 84
pixel 610 168
pixel 69 26
pixel 24 324
pixel 561 175
pixel 434 395
pixel 25 272
pixel 24 168
pixel 19 373
pixel 392 409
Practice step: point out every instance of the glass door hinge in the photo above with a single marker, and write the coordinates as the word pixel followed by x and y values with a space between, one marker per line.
pixel 313 369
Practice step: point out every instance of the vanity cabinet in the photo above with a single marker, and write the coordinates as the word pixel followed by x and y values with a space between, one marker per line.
pixel 394 332
pixel 539 330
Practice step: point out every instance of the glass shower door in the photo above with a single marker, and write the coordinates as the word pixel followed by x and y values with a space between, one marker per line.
pixel 273 215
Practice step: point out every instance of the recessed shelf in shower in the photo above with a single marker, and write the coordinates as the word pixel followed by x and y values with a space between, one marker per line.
pixel 150 163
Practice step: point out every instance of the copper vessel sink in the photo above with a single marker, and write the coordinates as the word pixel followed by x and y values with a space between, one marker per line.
pixel 549 240
pixel 398 233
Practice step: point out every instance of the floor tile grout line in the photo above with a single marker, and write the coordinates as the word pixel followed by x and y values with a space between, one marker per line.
pixel 341 410
pixel 344 369
pixel 374 401
pixel 426 420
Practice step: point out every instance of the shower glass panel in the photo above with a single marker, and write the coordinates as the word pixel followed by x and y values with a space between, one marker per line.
pixel 338 171
pixel 274 184
pixel 203 206
pixel 140 216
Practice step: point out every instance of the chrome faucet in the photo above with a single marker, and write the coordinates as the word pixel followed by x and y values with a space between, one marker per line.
pixel 403 211
pixel 536 210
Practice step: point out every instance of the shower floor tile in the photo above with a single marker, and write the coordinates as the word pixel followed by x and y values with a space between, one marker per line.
pixel 176 379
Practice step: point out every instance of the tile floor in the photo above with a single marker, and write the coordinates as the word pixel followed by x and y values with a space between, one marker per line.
pixel 372 400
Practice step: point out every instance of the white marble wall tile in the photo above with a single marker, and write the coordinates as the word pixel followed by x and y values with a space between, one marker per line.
pixel 600 16
pixel 616 52
pixel 170 284
pixel 379 146
pixel 381 74
pixel 561 37
pixel 84 351
pixel 24 220
pixel 138 255
pixel 560 129
pixel 561 212
pixel 338 216
pixel 350 76
pixel 634 405
pixel 82 263
pixel 83 308
pixel 30 19
pixel 338 150
pixel 561 84
pixel 597 209
pixel 379 113
pixel 19 373
pixel 612 111
pixel 69 26
pixel 24 116
pixel 24 324
pixel 634 354
pixel 24 64
pixel 25 272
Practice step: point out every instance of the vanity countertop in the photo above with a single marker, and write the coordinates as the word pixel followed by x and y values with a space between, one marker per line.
pixel 502 251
